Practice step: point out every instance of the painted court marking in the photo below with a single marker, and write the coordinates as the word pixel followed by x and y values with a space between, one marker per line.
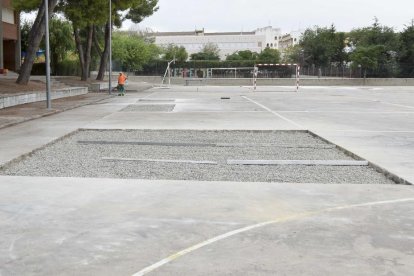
pixel 273 112
pixel 260 225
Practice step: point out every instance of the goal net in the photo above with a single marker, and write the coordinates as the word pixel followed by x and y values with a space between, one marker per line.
pixel 276 77
pixel 230 73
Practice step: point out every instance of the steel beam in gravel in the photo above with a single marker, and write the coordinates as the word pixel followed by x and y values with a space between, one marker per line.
pixel 300 162
pixel 160 160
pixel 165 144
pixel 171 144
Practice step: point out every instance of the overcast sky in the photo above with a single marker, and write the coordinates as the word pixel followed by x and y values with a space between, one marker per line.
pixel 247 15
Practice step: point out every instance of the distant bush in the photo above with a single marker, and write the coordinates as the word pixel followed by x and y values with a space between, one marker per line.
pixel 68 68
pixel 64 68
pixel 39 69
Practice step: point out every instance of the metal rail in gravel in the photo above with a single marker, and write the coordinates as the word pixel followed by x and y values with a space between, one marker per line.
pixel 164 144
pixel 299 162
pixel 171 144
pixel 160 160
pixel 251 162
pixel 156 100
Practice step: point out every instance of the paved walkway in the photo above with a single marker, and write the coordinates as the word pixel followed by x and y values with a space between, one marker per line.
pixel 82 226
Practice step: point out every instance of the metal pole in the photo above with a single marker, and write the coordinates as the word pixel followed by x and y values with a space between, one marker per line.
pixel 297 77
pixel 1 36
pixel 110 47
pixel 48 98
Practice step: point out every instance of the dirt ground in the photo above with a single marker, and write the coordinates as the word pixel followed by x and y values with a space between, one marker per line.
pixel 21 113
pixel 75 81
pixel 9 86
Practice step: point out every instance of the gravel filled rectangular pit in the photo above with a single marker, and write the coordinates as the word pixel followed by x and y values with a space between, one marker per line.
pixel 192 155
pixel 149 108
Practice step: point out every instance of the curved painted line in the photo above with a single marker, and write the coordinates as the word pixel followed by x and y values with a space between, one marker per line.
pixel 255 226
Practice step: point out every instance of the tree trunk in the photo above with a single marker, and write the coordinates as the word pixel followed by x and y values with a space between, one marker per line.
pixel 88 53
pixel 96 45
pixel 79 47
pixel 84 55
pixel 35 37
pixel 105 54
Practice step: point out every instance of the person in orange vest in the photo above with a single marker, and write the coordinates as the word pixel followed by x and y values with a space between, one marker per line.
pixel 121 84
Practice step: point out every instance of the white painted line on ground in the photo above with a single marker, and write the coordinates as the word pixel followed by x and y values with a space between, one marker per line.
pixel 369 131
pixel 159 160
pixel 345 112
pixel 274 113
pixel 180 110
pixel 260 225
pixel 146 99
pixel 299 162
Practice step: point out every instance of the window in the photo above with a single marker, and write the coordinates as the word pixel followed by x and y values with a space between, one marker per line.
pixel 8 15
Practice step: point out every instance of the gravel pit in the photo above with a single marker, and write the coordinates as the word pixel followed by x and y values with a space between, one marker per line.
pixel 135 154
pixel 149 108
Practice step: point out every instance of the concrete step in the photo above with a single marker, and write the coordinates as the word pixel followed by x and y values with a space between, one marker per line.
pixel 32 97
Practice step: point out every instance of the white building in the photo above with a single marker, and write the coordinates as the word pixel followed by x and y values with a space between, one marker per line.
pixel 288 40
pixel 228 42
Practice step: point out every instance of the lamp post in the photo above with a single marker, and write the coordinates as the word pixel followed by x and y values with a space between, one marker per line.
pixel 48 97
pixel 110 47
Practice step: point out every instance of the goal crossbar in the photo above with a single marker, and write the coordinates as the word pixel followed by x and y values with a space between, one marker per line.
pixel 256 72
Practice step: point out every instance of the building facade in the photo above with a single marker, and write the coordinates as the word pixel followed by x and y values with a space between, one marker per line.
pixel 227 42
pixel 289 40
pixel 9 36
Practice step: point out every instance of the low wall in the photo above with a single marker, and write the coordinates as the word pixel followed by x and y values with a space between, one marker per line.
pixel 32 97
pixel 97 87
pixel 279 82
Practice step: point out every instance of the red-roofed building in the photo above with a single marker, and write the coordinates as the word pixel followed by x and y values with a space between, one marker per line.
pixel 10 37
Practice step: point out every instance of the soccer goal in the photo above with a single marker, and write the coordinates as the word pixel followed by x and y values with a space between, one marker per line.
pixel 288 76
pixel 167 74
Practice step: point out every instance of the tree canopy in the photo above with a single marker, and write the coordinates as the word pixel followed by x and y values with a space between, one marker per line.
pixel 210 51
pixel 374 47
pixel 322 45
pixel 243 55
pixel 26 5
pixel 269 55
pixel 173 51
pixel 406 53
pixel 132 51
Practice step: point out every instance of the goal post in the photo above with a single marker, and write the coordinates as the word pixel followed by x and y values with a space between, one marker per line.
pixel 264 68
pixel 168 73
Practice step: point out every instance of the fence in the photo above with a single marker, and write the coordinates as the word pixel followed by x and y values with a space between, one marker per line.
pixel 244 69
pixel 345 71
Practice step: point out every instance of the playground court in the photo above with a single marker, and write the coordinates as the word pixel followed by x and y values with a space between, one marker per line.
pixel 124 226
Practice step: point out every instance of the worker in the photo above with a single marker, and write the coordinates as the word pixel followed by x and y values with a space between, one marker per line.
pixel 121 84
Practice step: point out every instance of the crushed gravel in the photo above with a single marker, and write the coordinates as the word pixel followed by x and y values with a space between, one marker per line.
pixel 109 152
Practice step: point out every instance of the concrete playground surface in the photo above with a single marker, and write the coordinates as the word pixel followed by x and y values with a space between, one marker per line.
pixel 72 225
